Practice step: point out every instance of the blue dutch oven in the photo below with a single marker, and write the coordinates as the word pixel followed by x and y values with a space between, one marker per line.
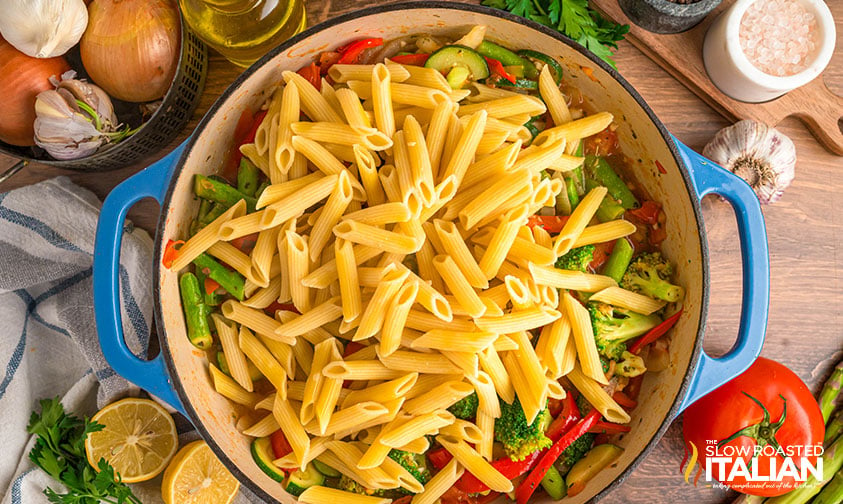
pixel 179 375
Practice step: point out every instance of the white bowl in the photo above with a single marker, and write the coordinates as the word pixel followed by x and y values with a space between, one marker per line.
pixel 731 71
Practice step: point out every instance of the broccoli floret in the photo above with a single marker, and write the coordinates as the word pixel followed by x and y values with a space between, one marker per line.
pixel 415 464
pixel 465 408
pixel 576 259
pixel 349 485
pixel 519 438
pixel 572 454
pixel 649 274
pixel 614 326
pixel 630 366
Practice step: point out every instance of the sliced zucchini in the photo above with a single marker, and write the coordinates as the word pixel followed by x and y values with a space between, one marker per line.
pixel 326 469
pixel 262 453
pixel 507 58
pixel 457 77
pixel 555 67
pixel 519 83
pixel 300 481
pixel 452 56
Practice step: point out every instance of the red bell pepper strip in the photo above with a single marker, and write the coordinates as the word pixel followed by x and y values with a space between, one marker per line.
pixel 439 458
pixel 211 286
pixel 624 400
pixel 351 52
pixel 312 75
pixel 601 254
pixel 529 485
pixel 656 332
pixel 469 483
pixel 602 427
pixel 418 59
pixel 550 223
pixel 648 213
pixel 496 67
pixel 171 252
pixel 567 418
pixel 280 445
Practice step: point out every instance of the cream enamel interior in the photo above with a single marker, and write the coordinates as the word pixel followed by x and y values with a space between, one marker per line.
pixel 640 138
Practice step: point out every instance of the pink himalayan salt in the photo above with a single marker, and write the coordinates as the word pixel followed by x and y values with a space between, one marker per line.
pixel 778 36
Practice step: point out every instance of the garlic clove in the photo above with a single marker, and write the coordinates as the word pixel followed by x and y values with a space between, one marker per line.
pixel 43 28
pixel 62 131
pixel 94 97
pixel 757 153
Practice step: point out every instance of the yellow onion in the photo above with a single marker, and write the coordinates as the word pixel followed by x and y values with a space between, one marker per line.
pixel 131 47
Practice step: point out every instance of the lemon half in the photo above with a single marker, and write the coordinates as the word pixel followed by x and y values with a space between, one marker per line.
pixel 196 476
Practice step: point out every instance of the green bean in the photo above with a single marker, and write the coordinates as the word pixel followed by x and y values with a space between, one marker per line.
pixel 573 194
pixel 212 299
pixel 609 209
pixel 195 226
pixel 195 312
pixel 204 207
pixel 600 170
pixel 618 260
pixel 247 177
pixel 215 211
pixel 554 484
pixel 215 190
pixel 232 281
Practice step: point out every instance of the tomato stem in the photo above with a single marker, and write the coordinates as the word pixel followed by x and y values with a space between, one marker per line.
pixel 763 432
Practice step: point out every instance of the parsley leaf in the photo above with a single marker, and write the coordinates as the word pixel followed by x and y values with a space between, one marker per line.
pixel 574 18
pixel 60 451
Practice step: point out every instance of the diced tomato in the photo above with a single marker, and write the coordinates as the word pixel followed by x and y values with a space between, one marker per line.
pixel 439 458
pixel 550 223
pixel 602 427
pixel 328 59
pixel 312 74
pixel 496 67
pixel 601 254
pixel 647 213
pixel 656 332
pixel 456 496
pixel 624 400
pixel 276 306
pixel 657 235
pixel 280 445
pixel 351 52
pixel 418 59
pixel 351 347
pixel 211 286
pixel 604 143
pixel 245 243
pixel 634 387
pixel 171 252
pixel 554 406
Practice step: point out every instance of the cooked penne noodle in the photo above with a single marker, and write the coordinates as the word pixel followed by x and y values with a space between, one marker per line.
pixel 234 357
pixel 421 425
pixel 342 134
pixel 506 106
pixel 436 133
pixel 396 318
pixel 298 265
pixel 313 384
pixel 597 396
pixel 459 285
pixel 463 152
pixel 475 464
pixel 382 392
pixel 404 361
pixel 206 237
pixel 607 231
pixel 583 334
pixel 343 73
pixel 490 199
pixel 438 484
pixel 551 95
pixel 438 398
pixel 296 203
pixel 352 109
pixel 256 320
pixel 364 234
pixel 459 341
pixel 336 205
pixel 382 214
pixel 523 320
pixel 352 305
pixel 491 363
pixel 629 300
pixel 575 130
pixel 228 388
pixel 263 427
pixel 313 104
pixel 263 360
pixel 381 89
pixel 486 394
pixel 277 192
pixel 372 319
pixel 320 315
pixel 362 370
pixel 566 279
pixel 296 436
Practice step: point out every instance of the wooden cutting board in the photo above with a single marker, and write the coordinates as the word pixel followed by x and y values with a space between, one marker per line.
pixel 680 54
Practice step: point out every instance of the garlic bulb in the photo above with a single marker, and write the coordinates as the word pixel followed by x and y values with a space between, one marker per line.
pixel 75 119
pixel 43 28
pixel 757 153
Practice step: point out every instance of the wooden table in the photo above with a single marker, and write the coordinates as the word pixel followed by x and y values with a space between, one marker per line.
pixel 805 230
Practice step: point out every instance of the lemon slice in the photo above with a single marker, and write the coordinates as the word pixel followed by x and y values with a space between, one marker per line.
pixel 196 476
pixel 138 440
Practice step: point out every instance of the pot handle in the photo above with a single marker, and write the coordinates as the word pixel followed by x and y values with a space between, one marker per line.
pixel 708 178
pixel 151 375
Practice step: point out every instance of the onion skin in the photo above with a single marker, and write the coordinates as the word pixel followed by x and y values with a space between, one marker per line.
pixel 23 78
pixel 131 47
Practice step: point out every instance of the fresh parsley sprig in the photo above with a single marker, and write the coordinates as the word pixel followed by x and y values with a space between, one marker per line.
pixel 60 451
pixel 574 18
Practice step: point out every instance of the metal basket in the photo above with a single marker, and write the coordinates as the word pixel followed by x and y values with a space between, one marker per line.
pixel 163 126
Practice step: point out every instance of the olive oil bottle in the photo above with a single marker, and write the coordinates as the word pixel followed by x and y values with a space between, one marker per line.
pixel 244 30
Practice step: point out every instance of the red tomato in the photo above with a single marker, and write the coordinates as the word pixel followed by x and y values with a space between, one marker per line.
pixel 439 457
pixel 171 252
pixel 312 74
pixel 411 59
pixel 550 223
pixel 648 213
pixel 280 445
pixel 456 496
pixel 746 413
pixel 601 255
pixel 211 286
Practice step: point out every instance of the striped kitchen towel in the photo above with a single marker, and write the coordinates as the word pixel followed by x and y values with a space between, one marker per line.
pixel 48 338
